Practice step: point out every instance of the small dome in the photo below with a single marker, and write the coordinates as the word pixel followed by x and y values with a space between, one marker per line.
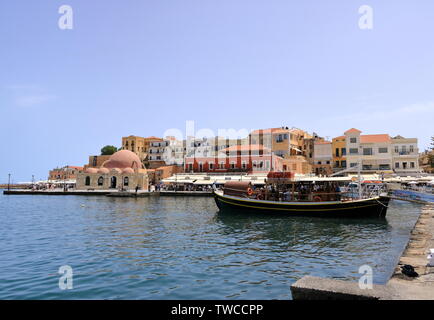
pixel 128 170
pixel 103 170
pixel 116 170
pixel 91 170
pixel 123 159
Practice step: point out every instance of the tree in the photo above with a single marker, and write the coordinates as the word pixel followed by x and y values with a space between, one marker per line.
pixel 108 150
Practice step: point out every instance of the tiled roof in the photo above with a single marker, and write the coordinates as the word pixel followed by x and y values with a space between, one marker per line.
pixel 374 138
pixel 352 130
pixel 247 147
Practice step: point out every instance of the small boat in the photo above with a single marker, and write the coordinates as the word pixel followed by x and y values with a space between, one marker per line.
pixel 419 192
pixel 239 196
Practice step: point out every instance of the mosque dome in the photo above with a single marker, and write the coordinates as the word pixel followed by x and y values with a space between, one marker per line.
pixel 128 170
pixel 103 170
pixel 91 170
pixel 123 159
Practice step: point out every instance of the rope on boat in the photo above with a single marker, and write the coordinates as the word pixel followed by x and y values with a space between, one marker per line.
pixel 381 203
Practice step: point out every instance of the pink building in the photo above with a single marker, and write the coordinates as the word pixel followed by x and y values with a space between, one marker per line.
pixel 238 158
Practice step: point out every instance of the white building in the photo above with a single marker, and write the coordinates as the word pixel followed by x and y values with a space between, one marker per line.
pixel 372 152
pixel 405 155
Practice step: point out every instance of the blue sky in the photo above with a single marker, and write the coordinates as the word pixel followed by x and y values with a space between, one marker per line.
pixel 142 67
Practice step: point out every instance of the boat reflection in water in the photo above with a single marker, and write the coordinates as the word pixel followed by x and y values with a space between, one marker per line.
pixel 283 195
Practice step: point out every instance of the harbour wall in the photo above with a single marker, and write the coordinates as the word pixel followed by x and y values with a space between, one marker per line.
pixel 399 286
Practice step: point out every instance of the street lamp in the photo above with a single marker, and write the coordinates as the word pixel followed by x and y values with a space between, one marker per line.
pixel 9 181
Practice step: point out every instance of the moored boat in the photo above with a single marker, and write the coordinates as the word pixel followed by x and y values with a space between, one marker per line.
pixel 241 197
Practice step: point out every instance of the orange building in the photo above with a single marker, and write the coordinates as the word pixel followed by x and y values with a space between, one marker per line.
pixel 339 152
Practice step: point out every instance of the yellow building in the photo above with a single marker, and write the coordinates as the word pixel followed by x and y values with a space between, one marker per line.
pixel 138 145
pixel 339 152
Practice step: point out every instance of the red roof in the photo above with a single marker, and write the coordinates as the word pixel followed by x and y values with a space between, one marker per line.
pixel 322 142
pixel 246 147
pixel 374 138
pixel 352 130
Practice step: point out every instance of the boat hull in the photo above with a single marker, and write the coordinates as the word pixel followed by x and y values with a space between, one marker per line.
pixel 373 207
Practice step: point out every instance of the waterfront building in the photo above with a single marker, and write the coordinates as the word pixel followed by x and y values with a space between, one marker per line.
pixel 372 152
pixel 157 175
pixel 405 155
pixel 308 146
pixel 136 144
pixel 296 164
pixel 96 161
pixel 236 158
pixel 64 173
pixel 281 141
pixel 175 151
pixel 339 150
pixel 322 158
pixel 123 170
pixel 156 152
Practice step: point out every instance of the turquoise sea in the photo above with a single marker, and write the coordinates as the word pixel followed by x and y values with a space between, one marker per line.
pixel 182 248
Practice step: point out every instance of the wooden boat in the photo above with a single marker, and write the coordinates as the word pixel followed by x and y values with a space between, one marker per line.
pixel 239 196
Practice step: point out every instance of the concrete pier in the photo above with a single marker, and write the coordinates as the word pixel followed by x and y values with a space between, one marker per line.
pixel 399 286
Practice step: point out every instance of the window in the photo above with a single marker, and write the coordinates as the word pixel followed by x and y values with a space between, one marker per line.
pixel 396 149
pixel 244 165
pixel 319 162
pixel 344 163
pixel 222 165
pixel 328 162
pixel 100 181
pixel 353 140
pixel 354 151
pixel 412 165
pixel 211 166
pixel 232 165
pixel 396 165
pixel 337 152
pixel 384 167
pixel 367 151
pixel 382 150
pixel 126 181
pixel 190 167
pixel 411 148
pixel 337 164
pixel 343 151
pixel 87 181
pixel 353 164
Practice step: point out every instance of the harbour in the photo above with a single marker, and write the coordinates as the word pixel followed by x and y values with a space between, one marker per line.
pixel 183 248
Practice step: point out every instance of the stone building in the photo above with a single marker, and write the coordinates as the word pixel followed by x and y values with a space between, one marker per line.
pixel 123 170
pixel 64 173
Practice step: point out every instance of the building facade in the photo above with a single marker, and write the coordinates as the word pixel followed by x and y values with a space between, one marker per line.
pixel 238 158
pixel 322 160
pixel 339 150
pixel 64 173
pixel 405 155
pixel 123 170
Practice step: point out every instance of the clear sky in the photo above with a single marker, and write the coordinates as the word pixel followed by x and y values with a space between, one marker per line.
pixel 141 67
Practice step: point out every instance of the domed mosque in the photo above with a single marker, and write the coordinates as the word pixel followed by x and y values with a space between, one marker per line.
pixel 123 170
